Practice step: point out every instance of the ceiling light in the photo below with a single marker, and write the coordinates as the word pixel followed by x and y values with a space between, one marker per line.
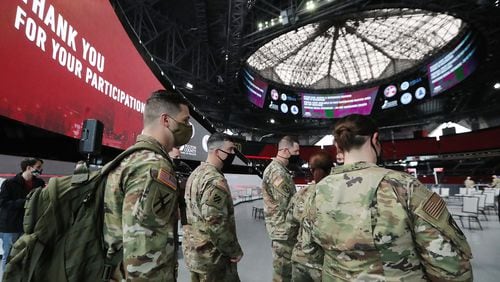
pixel 189 85
pixel 310 5
pixel 497 85
pixel 272 120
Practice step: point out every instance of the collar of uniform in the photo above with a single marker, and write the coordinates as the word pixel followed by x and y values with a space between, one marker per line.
pixel 151 140
pixel 352 167
pixel 212 166
pixel 281 165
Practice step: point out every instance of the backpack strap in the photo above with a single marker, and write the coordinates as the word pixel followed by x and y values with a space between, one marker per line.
pixel 142 145
pixel 36 255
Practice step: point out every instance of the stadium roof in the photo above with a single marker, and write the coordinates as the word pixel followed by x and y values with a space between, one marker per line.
pixel 371 46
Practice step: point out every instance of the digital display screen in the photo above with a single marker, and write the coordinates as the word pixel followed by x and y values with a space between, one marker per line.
pixel 338 105
pixel 255 88
pixel 406 91
pixel 453 67
pixel 196 149
pixel 283 101
pixel 60 68
pixel 67 61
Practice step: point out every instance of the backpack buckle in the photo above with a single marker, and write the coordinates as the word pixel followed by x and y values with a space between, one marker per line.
pixel 106 274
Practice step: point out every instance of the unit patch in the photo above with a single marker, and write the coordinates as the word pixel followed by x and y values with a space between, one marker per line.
pixel 216 199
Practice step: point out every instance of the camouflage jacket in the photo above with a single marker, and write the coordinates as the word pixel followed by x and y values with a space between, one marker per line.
pixel 277 190
pixel 139 203
pixel 310 256
pixel 210 236
pixel 384 225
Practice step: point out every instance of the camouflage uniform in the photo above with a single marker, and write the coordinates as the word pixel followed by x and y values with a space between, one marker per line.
pixel 210 236
pixel 277 190
pixel 139 202
pixel 383 225
pixel 306 260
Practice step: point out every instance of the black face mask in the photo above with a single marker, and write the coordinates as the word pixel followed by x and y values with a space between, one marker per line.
pixel 228 160
pixel 294 159
pixel 380 160
pixel 176 162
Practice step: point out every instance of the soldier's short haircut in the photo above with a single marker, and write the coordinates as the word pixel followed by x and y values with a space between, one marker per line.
pixel 352 131
pixel 322 160
pixel 287 142
pixel 29 162
pixel 162 101
pixel 216 140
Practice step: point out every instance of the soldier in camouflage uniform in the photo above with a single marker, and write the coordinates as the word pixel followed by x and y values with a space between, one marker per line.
pixel 306 266
pixel 140 196
pixel 376 224
pixel 210 245
pixel 277 190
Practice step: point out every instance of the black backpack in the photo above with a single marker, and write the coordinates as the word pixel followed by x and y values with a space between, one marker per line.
pixel 63 229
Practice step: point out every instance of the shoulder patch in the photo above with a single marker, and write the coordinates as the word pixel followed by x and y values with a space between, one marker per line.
pixel 216 199
pixel 166 178
pixel 222 185
pixel 434 206
pixel 278 181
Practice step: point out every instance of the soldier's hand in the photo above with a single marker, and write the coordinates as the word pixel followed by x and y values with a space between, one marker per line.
pixel 236 259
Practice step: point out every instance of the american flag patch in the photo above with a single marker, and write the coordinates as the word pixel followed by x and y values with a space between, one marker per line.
pixel 434 206
pixel 167 178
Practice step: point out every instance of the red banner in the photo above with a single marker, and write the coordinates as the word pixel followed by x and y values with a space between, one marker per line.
pixel 66 61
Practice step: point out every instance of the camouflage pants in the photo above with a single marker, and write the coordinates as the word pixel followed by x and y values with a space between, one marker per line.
pixel 282 265
pixel 302 273
pixel 229 273
pixel 119 275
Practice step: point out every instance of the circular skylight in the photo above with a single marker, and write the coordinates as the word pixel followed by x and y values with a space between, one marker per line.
pixel 369 46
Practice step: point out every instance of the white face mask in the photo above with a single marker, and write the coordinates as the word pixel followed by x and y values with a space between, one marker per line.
pixel 36 172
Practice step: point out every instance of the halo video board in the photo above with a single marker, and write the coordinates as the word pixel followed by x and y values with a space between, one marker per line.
pixel 454 66
pixel 339 104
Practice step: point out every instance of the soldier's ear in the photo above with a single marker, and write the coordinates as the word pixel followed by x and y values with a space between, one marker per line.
pixel 164 119
pixel 375 138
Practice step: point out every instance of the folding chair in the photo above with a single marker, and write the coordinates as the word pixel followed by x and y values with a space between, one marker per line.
pixel 482 204
pixel 445 192
pixel 490 201
pixel 469 210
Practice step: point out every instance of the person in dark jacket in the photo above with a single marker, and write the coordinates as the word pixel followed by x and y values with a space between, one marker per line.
pixel 12 197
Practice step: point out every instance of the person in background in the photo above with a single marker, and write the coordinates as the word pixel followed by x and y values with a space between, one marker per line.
pixel 306 266
pixel 339 158
pixel 175 153
pixel 469 183
pixel 13 194
pixel 495 182
pixel 182 172
pixel 277 191
pixel 210 245
pixel 376 224
pixel 140 198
